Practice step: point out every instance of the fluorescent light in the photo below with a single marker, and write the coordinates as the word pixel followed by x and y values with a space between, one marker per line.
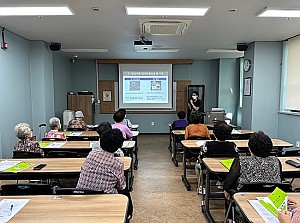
pixel 159 50
pixel 195 11
pixel 222 51
pixel 35 10
pixel 277 12
pixel 84 50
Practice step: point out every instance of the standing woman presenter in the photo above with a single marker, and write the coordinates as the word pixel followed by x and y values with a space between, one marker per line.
pixel 194 104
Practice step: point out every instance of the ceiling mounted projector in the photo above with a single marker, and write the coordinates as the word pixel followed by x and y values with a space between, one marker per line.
pixel 142 45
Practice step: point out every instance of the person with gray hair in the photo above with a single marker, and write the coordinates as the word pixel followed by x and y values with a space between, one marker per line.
pixel 26 143
pixel 55 128
pixel 78 122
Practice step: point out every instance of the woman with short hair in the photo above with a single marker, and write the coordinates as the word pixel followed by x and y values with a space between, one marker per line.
pixel 55 128
pixel 26 142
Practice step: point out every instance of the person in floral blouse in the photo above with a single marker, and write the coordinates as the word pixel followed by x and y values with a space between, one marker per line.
pixel 77 123
pixel 55 129
pixel 26 142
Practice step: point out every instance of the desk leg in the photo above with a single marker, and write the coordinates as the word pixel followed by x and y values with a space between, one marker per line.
pixel 131 171
pixel 170 139
pixel 205 209
pixel 136 149
pixel 183 176
pixel 174 150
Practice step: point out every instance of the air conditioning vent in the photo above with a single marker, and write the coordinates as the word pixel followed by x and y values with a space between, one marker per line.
pixel 163 27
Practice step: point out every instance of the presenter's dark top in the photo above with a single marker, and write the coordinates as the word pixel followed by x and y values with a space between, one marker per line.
pixel 197 104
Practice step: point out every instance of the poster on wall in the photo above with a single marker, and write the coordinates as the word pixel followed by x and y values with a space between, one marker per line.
pixel 247 86
pixel 106 95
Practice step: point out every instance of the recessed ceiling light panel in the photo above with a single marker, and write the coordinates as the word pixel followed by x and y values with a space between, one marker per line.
pixel 35 10
pixel 165 11
pixel 84 50
pixel 279 12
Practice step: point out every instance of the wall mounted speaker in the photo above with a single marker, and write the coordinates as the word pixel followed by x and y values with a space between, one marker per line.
pixel 55 46
pixel 242 47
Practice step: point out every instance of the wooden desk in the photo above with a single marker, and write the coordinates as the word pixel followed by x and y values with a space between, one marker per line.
pixel 180 134
pixel 241 199
pixel 110 208
pixel 191 144
pixel 83 146
pixel 56 168
pixel 214 167
pixel 83 135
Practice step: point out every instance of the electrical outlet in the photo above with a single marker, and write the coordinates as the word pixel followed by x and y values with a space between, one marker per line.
pixel 297 144
pixel 152 123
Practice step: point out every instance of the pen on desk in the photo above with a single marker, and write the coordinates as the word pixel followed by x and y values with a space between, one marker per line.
pixel 10 210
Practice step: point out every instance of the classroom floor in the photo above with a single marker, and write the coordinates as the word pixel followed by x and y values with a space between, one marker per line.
pixel 159 194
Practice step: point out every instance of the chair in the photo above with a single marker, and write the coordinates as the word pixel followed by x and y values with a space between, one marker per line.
pixel 194 152
pixel 24 154
pixel 75 129
pixel 87 138
pixel 62 154
pixel 26 189
pixel 241 136
pixel 75 191
pixel 256 187
pixel 53 139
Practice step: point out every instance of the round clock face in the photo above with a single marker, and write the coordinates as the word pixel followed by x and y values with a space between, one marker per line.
pixel 247 65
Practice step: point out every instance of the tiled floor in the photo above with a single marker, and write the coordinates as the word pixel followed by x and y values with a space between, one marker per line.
pixel 159 194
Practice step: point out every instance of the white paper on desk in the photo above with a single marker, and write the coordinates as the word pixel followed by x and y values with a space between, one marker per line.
pixel 134 126
pixel 200 143
pixel 56 145
pixel 94 143
pixel 128 144
pixel 75 133
pixel 7 164
pixel 235 131
pixel 10 207
pixel 263 212
pixel 135 133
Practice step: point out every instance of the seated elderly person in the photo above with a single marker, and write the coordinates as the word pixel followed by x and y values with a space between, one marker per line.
pixel 55 127
pixel 102 171
pixel 102 127
pixel 77 123
pixel 26 142
pixel 118 118
pixel 259 167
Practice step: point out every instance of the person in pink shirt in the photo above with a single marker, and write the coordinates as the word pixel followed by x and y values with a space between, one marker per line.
pixel 118 118
pixel 55 129
pixel 291 216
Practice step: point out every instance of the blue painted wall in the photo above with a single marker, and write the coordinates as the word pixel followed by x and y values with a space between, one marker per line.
pixel 15 93
pixel 62 83
pixel 229 89
pixel 200 72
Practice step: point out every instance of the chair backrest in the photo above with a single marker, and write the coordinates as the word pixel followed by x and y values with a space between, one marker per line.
pixel 75 129
pixel 62 154
pixel 24 154
pixel 265 187
pixel 75 191
pixel 198 138
pixel 26 189
pixel 87 138
pixel 53 139
pixel 241 136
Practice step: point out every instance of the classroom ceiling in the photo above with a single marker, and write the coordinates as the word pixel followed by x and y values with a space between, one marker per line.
pixel 112 29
